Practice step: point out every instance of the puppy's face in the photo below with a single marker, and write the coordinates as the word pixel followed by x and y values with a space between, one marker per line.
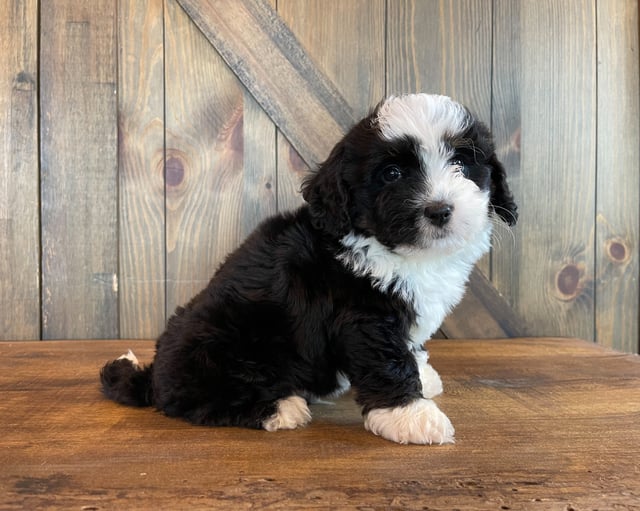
pixel 419 172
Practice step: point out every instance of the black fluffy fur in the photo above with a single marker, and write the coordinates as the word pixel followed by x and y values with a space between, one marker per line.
pixel 282 315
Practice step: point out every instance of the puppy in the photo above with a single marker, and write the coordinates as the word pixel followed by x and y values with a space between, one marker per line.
pixel 343 291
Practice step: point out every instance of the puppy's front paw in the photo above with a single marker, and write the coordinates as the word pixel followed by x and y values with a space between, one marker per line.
pixel 291 413
pixel 419 422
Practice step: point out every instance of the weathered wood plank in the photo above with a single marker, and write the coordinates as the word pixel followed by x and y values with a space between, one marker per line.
pixel 506 126
pixel 203 157
pixel 79 184
pixel 220 167
pixel 442 48
pixel 19 209
pixel 540 424
pixel 260 187
pixel 271 64
pixel 346 41
pixel 141 168
pixel 618 176
pixel 548 277
pixel 258 198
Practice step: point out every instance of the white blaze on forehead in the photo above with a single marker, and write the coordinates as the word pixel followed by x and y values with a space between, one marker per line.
pixel 427 117
pixel 430 119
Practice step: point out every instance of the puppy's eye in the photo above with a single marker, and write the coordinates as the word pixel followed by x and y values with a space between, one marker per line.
pixel 459 166
pixel 391 174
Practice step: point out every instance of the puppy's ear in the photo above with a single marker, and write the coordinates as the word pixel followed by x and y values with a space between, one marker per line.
pixel 501 197
pixel 327 195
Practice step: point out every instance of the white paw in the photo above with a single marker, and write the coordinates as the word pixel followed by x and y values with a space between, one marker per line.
pixel 419 422
pixel 292 412
pixel 131 358
pixel 430 379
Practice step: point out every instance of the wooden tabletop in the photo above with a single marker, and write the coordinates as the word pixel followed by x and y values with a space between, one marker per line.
pixel 541 424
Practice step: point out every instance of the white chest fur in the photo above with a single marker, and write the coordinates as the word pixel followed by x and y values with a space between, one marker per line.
pixel 432 281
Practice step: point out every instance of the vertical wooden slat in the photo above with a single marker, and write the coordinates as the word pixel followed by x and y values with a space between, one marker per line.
pixel 258 198
pixel 548 273
pixel 203 156
pixel 618 175
pixel 442 47
pixel 260 176
pixel 79 169
pixel 346 40
pixel 19 212
pixel 507 130
pixel 141 167
pixel 220 173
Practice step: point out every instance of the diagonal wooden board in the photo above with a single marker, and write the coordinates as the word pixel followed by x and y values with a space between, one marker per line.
pixel 265 55
pixel 310 111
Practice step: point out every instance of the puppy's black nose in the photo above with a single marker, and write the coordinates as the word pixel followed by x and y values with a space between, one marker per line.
pixel 439 213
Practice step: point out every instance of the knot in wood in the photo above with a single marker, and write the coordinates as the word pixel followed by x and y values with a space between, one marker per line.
pixel 24 81
pixel 174 171
pixel 568 282
pixel 617 251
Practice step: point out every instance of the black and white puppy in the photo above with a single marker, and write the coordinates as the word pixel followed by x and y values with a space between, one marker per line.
pixel 343 291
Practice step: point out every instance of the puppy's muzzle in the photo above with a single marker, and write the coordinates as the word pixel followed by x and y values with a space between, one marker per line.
pixel 439 213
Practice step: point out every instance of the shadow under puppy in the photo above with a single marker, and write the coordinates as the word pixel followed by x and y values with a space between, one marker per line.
pixel 343 291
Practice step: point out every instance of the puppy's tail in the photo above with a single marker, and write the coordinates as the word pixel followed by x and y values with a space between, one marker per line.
pixel 126 382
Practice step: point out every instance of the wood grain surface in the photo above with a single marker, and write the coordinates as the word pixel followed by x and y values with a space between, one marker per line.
pixel 507 129
pixel 141 174
pixel 79 165
pixel 618 191
pixel 546 51
pixel 442 48
pixel 541 424
pixel 204 144
pixel 19 171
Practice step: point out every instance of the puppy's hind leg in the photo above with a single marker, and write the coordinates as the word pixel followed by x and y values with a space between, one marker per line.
pixel 125 381
pixel 291 412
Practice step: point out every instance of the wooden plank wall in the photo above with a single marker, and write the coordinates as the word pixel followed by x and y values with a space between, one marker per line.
pixel 79 169
pixel 19 183
pixel 133 159
pixel 555 97
pixel 141 156
pixel 617 185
